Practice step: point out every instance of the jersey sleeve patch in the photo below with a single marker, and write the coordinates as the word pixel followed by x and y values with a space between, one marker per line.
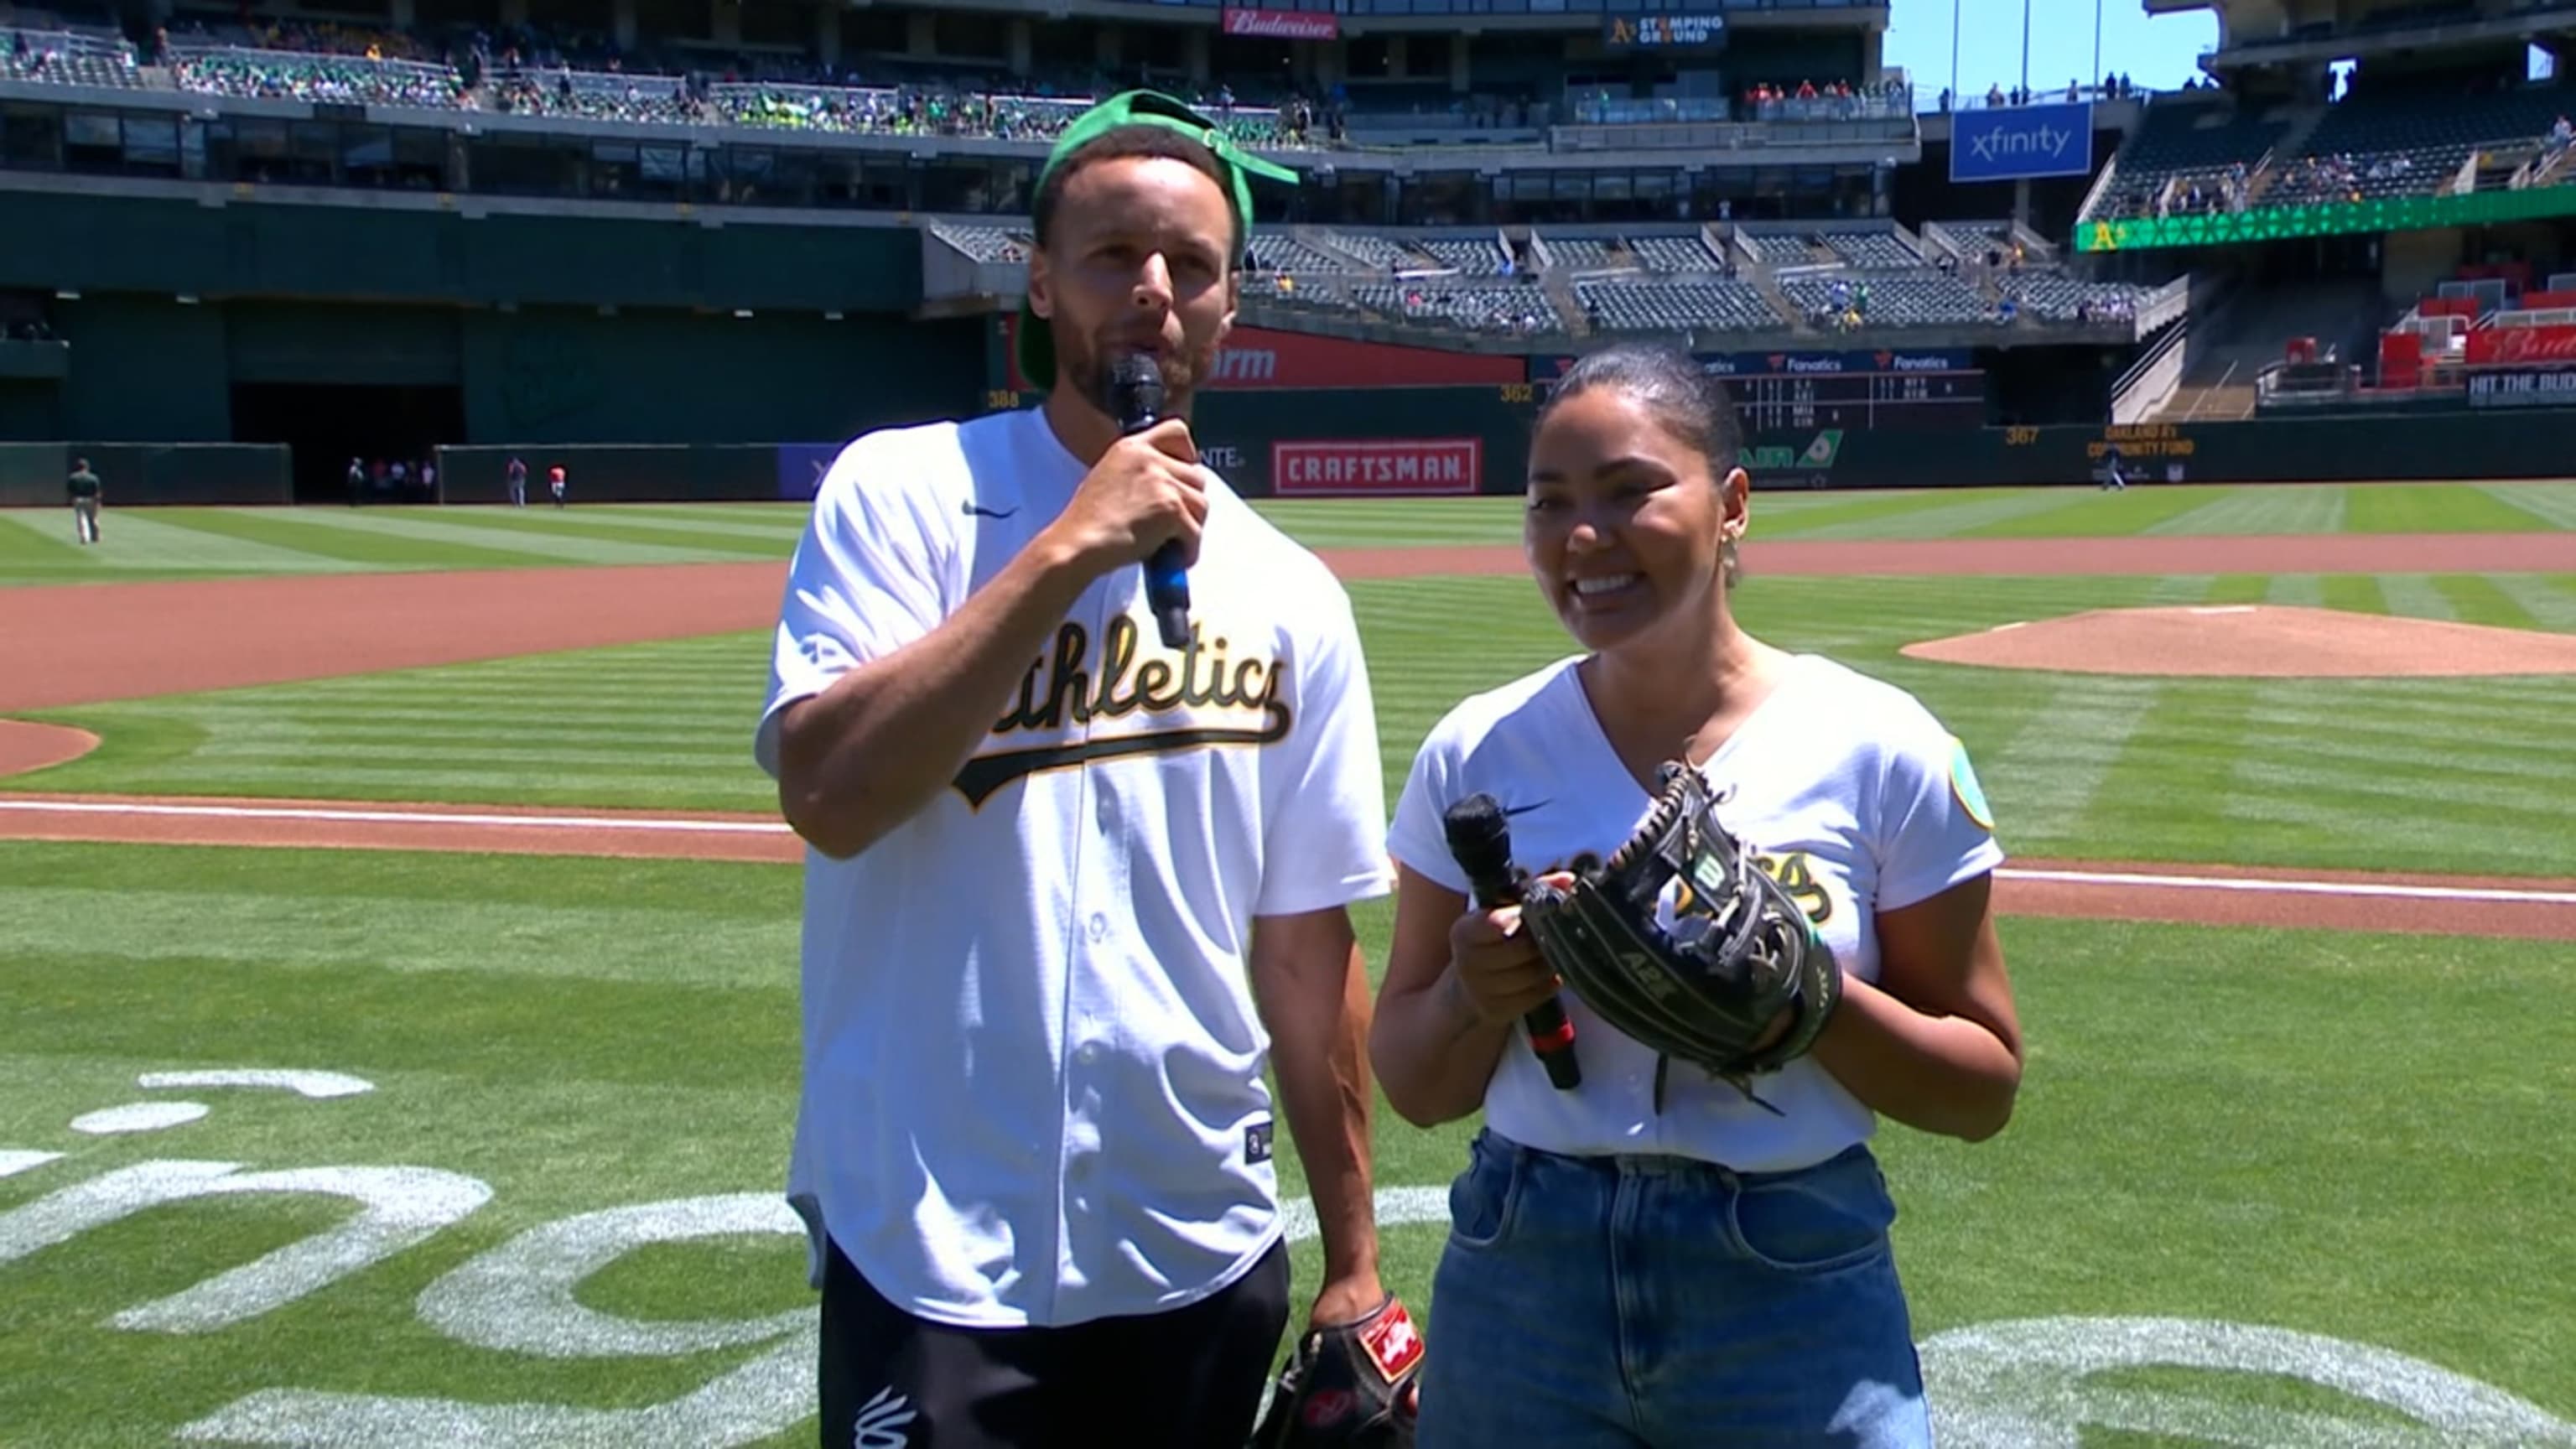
pixel 1963 784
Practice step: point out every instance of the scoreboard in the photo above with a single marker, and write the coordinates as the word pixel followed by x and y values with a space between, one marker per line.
pixel 1895 400
pixel 1914 390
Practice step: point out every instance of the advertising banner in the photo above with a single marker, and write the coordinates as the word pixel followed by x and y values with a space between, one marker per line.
pixel 1795 364
pixel 2016 143
pixel 1257 357
pixel 1663 31
pixel 2519 346
pixel 1379 467
pixel 2523 387
pixel 1281 24
pixel 801 467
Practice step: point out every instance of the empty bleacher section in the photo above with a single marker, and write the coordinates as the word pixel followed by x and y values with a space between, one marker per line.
pixel 2057 297
pixel 2370 146
pixel 1888 299
pixel 2202 140
pixel 1717 306
pixel 1506 308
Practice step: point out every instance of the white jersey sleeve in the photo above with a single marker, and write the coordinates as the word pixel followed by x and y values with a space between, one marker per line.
pixel 1936 829
pixel 868 577
pixel 1325 845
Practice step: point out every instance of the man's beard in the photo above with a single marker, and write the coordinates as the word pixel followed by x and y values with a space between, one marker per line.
pixel 1088 367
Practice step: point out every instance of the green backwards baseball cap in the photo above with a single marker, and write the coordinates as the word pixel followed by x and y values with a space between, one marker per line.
pixel 1036 343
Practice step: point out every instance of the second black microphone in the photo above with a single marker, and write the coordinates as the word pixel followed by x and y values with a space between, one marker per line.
pixel 1480 838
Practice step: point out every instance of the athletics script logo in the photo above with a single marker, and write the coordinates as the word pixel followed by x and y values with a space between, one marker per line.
pixel 2027 1383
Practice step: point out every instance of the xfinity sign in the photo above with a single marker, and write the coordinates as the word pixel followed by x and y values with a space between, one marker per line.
pixel 2019 143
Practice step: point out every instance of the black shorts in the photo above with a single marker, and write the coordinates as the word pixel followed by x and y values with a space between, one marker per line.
pixel 1187 1379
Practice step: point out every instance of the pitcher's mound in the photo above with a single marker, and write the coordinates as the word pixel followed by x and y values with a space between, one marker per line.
pixel 25 745
pixel 2261 640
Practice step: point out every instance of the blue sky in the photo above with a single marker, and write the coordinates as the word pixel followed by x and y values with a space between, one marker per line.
pixel 2162 51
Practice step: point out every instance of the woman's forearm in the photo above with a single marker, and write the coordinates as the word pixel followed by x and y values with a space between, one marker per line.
pixel 1941 1074
pixel 1433 1054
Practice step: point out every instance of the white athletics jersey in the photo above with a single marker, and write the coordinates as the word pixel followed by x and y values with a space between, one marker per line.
pixel 1850 792
pixel 1033 1087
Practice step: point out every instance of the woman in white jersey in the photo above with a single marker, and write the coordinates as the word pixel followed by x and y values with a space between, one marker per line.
pixel 1632 1268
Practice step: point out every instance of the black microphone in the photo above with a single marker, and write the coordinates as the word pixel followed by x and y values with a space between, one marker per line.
pixel 1136 401
pixel 1481 840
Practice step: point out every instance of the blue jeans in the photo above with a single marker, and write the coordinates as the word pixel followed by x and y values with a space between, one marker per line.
pixel 1655 1300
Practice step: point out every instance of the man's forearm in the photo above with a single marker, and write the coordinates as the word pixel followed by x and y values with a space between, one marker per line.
pixel 867 753
pixel 1319 1051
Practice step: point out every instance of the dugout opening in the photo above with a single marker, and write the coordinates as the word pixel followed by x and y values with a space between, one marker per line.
pixel 327 424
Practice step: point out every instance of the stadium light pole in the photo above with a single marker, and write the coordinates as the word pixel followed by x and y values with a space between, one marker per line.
pixel 1955 7
pixel 2097 48
pixel 2025 49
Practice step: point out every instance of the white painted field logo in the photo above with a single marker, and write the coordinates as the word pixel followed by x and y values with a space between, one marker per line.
pixel 2029 1384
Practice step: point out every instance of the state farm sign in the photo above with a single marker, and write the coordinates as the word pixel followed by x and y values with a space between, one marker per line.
pixel 1402 467
pixel 1280 24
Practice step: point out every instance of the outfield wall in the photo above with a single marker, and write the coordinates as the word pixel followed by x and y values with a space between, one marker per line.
pixel 33 475
pixel 1419 442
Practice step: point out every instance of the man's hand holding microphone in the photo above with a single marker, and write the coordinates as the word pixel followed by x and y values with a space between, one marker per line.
pixel 1146 500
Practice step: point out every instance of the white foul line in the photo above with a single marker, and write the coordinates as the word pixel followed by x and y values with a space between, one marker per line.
pixel 2129 879
pixel 2291 887
pixel 401 817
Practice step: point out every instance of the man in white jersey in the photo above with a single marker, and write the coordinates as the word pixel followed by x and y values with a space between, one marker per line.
pixel 1068 890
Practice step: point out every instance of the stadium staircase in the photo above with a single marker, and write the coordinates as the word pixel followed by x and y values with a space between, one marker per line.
pixel 1558 283
pixel 2289 144
pixel 2249 333
pixel 1751 268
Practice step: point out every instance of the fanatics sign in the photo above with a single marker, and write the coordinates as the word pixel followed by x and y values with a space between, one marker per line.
pixel 1394 467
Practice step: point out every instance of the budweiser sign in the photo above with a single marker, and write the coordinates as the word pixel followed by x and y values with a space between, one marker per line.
pixel 1400 467
pixel 2520 346
pixel 1281 24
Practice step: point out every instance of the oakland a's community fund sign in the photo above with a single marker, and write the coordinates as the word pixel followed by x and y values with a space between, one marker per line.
pixel 2028 1383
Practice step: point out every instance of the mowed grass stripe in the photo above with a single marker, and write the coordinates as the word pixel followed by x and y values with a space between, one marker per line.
pixel 2305 591
pixel 2351 593
pixel 2553 504
pixel 291 530
pixel 137 923
pixel 2092 513
pixel 2288 508
pixel 556 548
pixel 2430 508
pixel 147 541
pixel 776 523
pixel 2415 596
pixel 2152 801
pixel 2533 602
pixel 2060 757
pixel 1946 516
pixel 550 530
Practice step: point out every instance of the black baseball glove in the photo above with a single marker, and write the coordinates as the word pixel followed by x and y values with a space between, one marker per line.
pixel 1683 942
pixel 1349 1384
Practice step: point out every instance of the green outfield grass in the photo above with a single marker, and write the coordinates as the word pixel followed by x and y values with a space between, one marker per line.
pixel 2469 773
pixel 36 545
pixel 2354 1136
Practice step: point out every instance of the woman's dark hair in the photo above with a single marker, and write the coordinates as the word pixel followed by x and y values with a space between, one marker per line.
pixel 1681 397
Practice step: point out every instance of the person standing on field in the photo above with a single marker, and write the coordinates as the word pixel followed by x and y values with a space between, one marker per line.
pixel 86 492
pixel 1069 890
